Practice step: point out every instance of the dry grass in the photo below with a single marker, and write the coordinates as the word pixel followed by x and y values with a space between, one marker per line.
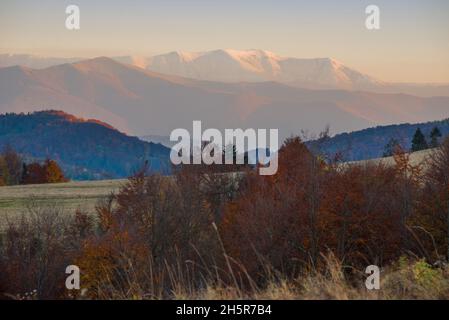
pixel 416 158
pixel 407 279
pixel 395 285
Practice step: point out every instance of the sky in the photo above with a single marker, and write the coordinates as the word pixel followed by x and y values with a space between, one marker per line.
pixel 412 44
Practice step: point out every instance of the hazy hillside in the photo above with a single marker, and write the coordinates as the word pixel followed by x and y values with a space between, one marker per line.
pixel 32 61
pixel 164 140
pixel 87 149
pixel 370 143
pixel 141 102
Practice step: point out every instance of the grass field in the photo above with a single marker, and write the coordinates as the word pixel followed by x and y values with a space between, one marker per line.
pixel 14 200
pixel 416 158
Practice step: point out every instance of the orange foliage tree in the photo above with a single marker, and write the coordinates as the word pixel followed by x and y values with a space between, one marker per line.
pixel 310 206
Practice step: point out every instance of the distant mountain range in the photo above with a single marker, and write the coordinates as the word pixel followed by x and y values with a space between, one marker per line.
pixel 86 149
pixel 370 143
pixel 33 61
pixel 142 102
pixel 234 66
pixel 259 66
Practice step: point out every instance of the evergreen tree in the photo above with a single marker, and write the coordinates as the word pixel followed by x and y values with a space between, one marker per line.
pixel 419 141
pixel 435 134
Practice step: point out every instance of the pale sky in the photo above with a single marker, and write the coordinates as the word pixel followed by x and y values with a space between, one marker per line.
pixel 411 46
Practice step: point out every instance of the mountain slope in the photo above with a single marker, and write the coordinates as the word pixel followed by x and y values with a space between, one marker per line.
pixel 370 143
pixel 251 66
pixel 142 102
pixel 87 149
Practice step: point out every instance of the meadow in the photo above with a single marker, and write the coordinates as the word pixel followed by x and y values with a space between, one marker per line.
pixel 70 196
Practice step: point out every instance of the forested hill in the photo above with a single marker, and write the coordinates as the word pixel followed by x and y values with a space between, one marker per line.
pixel 86 149
pixel 370 143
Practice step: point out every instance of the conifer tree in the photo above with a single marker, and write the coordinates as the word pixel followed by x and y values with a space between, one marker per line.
pixel 435 134
pixel 419 141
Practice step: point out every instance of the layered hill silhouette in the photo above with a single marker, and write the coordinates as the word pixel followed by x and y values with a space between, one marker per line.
pixel 255 65
pixel 370 143
pixel 142 102
pixel 261 65
pixel 86 149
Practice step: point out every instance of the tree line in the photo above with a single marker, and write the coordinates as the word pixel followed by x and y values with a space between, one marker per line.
pixel 418 143
pixel 14 170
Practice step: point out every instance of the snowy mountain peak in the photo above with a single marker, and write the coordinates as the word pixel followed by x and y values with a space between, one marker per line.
pixel 255 65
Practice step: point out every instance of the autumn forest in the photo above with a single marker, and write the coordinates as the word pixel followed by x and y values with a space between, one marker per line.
pixel 307 232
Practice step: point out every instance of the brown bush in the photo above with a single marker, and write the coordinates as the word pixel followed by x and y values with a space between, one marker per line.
pixel 432 219
pixel 359 212
pixel 154 224
pixel 35 251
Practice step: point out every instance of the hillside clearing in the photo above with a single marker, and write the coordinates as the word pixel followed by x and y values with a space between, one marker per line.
pixel 416 158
